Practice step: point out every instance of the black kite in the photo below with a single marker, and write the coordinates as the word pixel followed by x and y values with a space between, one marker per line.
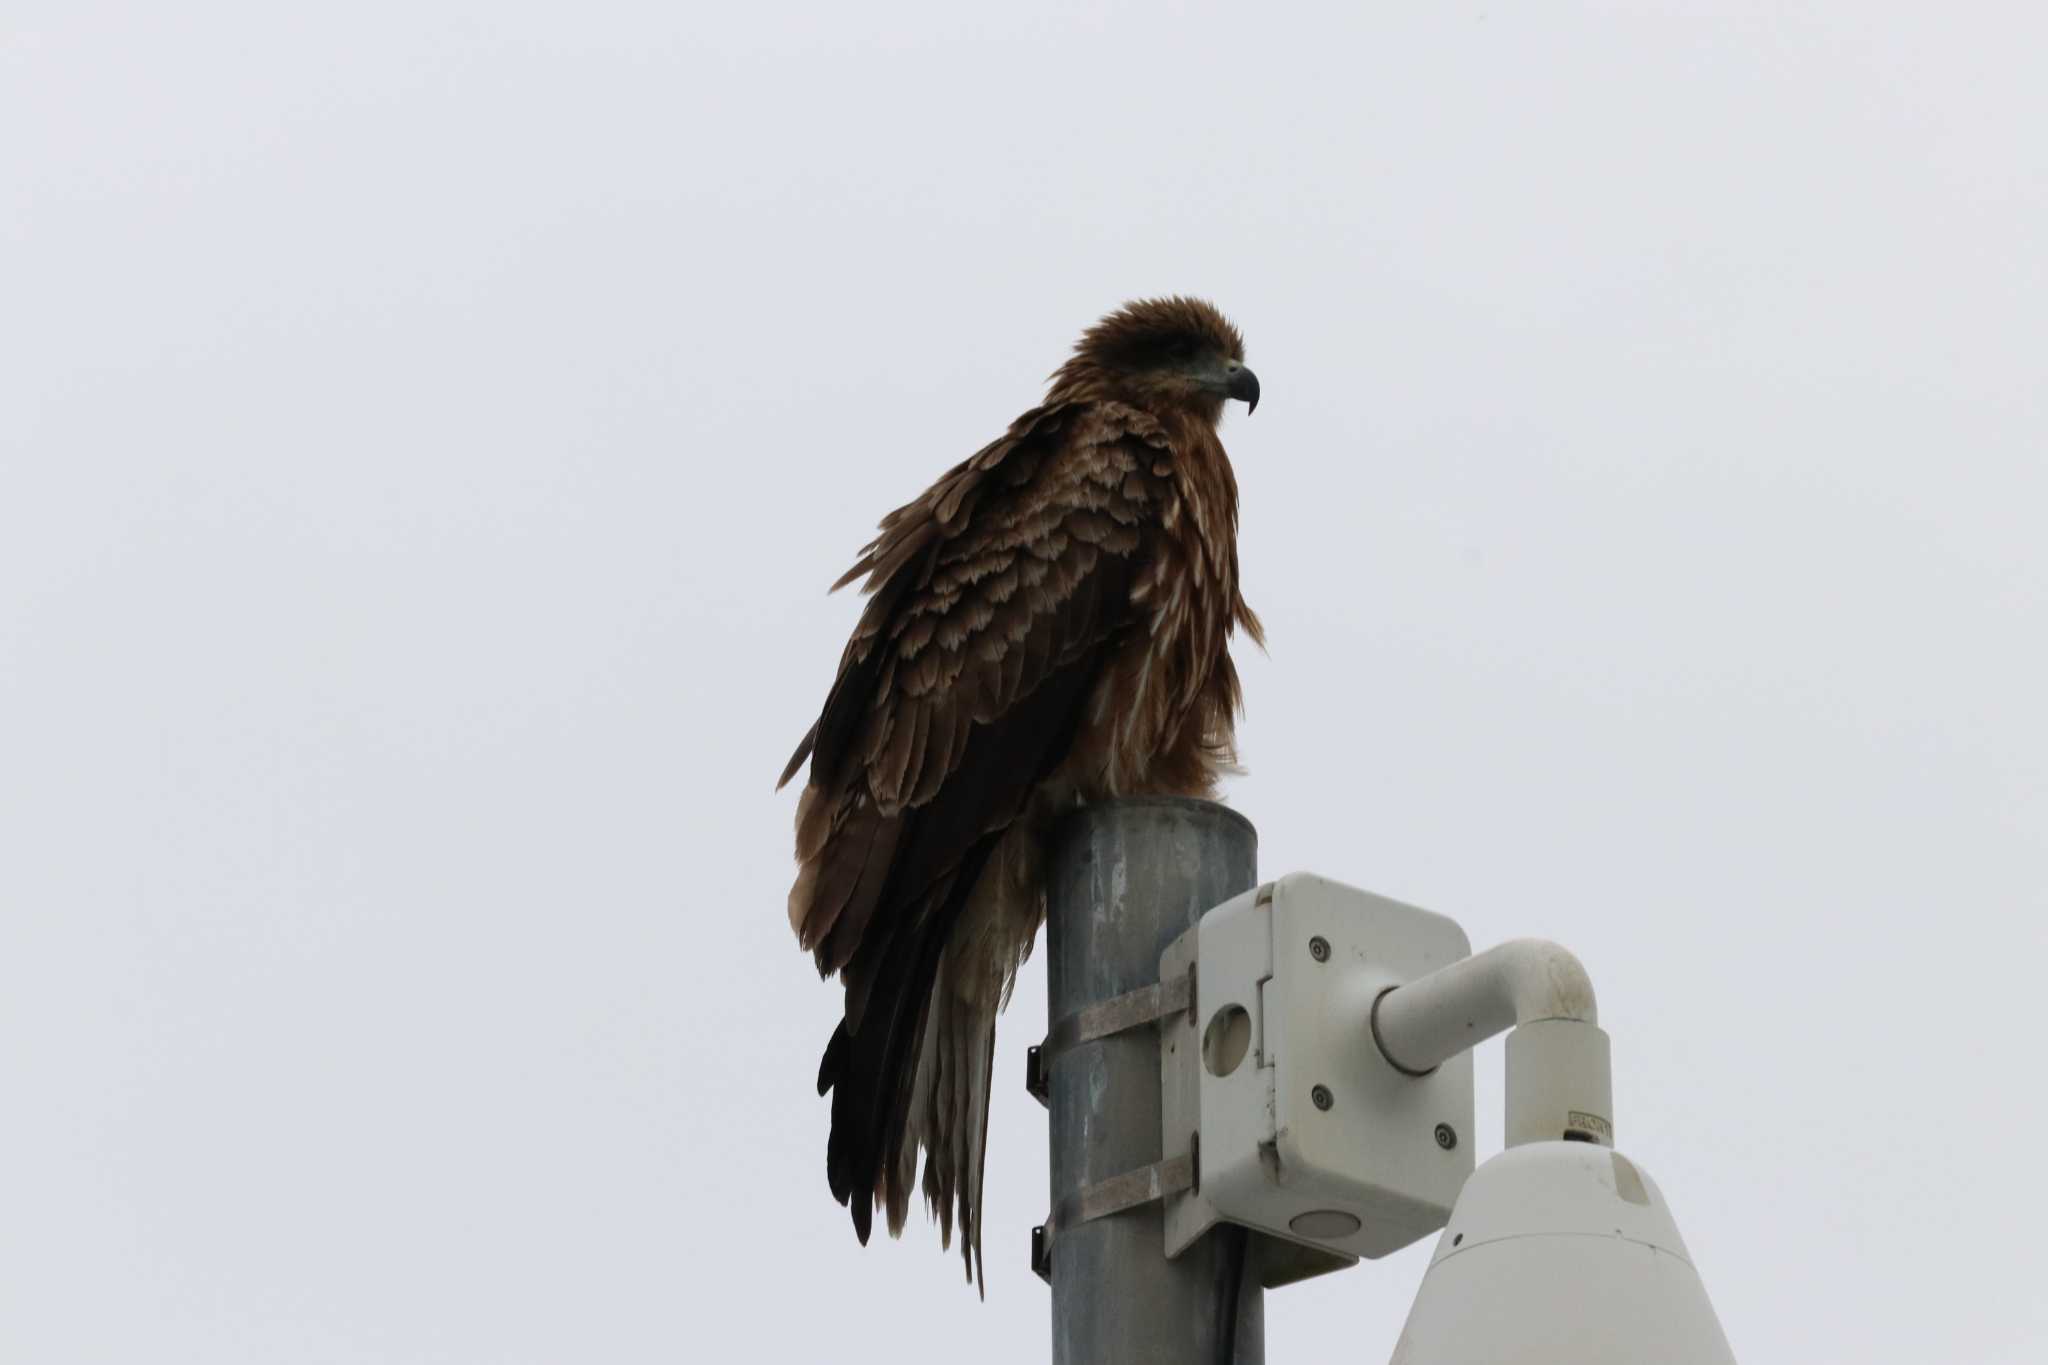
pixel 1049 625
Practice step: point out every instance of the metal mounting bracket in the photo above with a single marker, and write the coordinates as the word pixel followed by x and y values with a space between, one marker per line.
pixel 1146 1185
pixel 1104 1019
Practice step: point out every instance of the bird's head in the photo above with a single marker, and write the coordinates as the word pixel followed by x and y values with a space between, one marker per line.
pixel 1176 352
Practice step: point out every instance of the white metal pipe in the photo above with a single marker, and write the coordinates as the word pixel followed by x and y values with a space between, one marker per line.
pixel 1560 1083
pixel 1433 1018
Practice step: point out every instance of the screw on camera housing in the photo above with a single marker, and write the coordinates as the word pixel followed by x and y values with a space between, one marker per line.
pixel 1322 1097
pixel 1319 948
pixel 1446 1136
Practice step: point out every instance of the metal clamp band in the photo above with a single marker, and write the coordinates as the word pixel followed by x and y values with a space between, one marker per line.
pixel 1104 1019
pixel 1146 1185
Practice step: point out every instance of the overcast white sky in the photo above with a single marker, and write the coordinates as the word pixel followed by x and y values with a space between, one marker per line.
pixel 426 432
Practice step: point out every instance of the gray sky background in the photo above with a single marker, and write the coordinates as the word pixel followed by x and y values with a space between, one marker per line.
pixel 426 432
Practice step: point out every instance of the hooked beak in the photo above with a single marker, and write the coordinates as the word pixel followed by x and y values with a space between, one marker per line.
pixel 1243 384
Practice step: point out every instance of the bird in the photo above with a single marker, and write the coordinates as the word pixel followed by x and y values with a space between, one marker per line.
pixel 1047 625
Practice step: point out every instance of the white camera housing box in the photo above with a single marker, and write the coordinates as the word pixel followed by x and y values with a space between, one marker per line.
pixel 1298 1127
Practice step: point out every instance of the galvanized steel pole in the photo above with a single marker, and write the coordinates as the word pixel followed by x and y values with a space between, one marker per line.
pixel 1127 878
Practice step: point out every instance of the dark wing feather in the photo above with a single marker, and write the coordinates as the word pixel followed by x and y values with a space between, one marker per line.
pixel 889 981
pixel 998 600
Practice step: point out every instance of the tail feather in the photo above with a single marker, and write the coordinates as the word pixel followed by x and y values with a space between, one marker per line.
pixel 980 1152
pixel 933 1035
pixel 957 1064
pixel 956 1131
pixel 871 1070
pixel 951 1108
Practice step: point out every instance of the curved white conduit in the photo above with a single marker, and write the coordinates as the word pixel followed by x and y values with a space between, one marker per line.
pixel 1559 1079
pixel 1425 1023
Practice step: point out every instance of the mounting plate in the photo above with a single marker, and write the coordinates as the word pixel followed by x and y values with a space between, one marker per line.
pixel 1299 1128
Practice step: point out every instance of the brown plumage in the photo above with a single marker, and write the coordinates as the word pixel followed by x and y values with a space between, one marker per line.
pixel 1048 625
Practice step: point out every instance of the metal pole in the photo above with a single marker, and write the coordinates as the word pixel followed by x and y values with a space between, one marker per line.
pixel 1127 878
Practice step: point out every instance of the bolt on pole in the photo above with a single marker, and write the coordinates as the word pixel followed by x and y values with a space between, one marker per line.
pixel 1126 879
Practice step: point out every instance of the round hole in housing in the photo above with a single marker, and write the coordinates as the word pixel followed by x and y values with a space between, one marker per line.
pixel 1226 1040
pixel 1324 1225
